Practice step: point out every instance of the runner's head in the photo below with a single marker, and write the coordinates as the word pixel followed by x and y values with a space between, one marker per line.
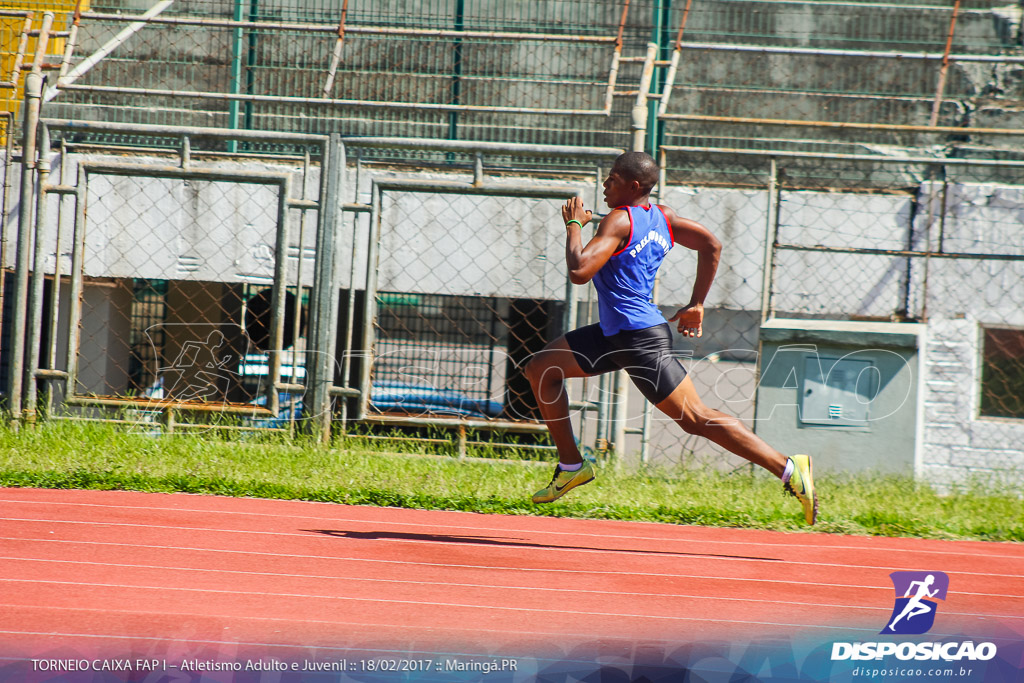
pixel 633 176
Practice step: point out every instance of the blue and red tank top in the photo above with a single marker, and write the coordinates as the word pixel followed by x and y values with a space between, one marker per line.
pixel 625 283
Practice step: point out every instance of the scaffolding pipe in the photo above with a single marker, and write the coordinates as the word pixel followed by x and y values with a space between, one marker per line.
pixel 371 104
pixel 51 356
pixel 296 321
pixel 323 306
pixel 940 88
pixel 76 284
pixel 277 298
pixel 350 309
pixel 236 74
pixel 336 56
pixel 72 43
pixel 945 161
pixel 613 77
pixel 673 65
pixel 874 54
pixel 33 98
pixel 170 405
pixel 620 404
pixel 369 303
pixel 639 113
pixel 470 147
pixel 5 204
pixel 469 423
pixel 613 71
pixel 770 238
pixel 182 132
pixel 909 253
pixel 33 332
pixel 359 30
pixel 123 35
pixel 895 127
pixel 19 57
pixel 42 42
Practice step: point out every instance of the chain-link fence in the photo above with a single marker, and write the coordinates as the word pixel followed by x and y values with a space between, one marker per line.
pixel 447 282
pixel 466 299
pixel 871 209
pixel 866 239
pixel 843 77
pixel 450 70
pixel 465 286
pixel 158 287
pixel 555 72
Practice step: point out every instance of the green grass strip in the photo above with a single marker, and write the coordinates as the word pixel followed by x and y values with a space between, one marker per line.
pixel 74 455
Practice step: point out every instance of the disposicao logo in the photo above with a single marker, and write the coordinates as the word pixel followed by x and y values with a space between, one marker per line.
pixel 915 608
pixel 914 614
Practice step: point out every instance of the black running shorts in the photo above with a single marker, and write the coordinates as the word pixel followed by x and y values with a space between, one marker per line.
pixel 646 355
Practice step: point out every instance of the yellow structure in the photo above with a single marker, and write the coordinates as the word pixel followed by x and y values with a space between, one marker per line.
pixel 18 48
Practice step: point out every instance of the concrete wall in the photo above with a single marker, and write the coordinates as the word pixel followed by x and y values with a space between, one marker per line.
pixel 494 246
pixel 876 428
pixel 957 442
pixel 531 73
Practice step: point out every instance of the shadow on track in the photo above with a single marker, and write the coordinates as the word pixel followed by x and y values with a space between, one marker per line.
pixel 507 543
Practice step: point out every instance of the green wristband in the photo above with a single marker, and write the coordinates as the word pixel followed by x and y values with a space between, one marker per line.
pixel 574 221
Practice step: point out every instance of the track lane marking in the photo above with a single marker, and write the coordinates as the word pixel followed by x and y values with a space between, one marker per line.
pixel 817 537
pixel 461 566
pixel 329 577
pixel 471 630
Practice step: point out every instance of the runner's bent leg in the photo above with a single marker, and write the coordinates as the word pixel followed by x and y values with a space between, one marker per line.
pixel 685 407
pixel 547 372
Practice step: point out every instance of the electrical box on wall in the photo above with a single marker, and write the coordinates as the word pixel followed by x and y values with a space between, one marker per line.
pixel 843 392
pixel 837 391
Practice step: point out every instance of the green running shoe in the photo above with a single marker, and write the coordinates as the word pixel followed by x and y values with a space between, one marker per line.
pixel 801 486
pixel 563 482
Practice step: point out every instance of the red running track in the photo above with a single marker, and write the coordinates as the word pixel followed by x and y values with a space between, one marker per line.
pixel 96 573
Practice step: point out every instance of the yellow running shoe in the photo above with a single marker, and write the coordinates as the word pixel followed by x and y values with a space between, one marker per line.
pixel 801 486
pixel 563 482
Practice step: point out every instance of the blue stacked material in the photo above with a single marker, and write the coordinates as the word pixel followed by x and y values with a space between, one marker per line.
pixel 410 398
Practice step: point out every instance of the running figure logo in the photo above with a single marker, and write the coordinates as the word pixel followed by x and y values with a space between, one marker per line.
pixel 914 611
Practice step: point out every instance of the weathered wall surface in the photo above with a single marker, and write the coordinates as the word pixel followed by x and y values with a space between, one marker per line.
pixel 145 227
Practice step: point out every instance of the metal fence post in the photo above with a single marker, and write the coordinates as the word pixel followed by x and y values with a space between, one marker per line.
pixel 33 98
pixel 324 296
pixel 771 236
pixel 640 112
pixel 639 122
pixel 33 333
pixel 370 301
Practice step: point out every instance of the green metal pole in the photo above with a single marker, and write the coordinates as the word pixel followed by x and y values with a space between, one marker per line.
pixel 453 117
pixel 236 74
pixel 250 63
pixel 661 36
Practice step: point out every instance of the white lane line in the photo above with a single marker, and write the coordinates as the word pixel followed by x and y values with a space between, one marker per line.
pixel 376 600
pixel 560 589
pixel 814 541
pixel 484 567
pixel 305 646
pixel 681 596
pixel 506 543
pixel 611 551
pixel 425 603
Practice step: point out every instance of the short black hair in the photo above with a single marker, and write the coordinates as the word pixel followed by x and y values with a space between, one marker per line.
pixel 638 166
